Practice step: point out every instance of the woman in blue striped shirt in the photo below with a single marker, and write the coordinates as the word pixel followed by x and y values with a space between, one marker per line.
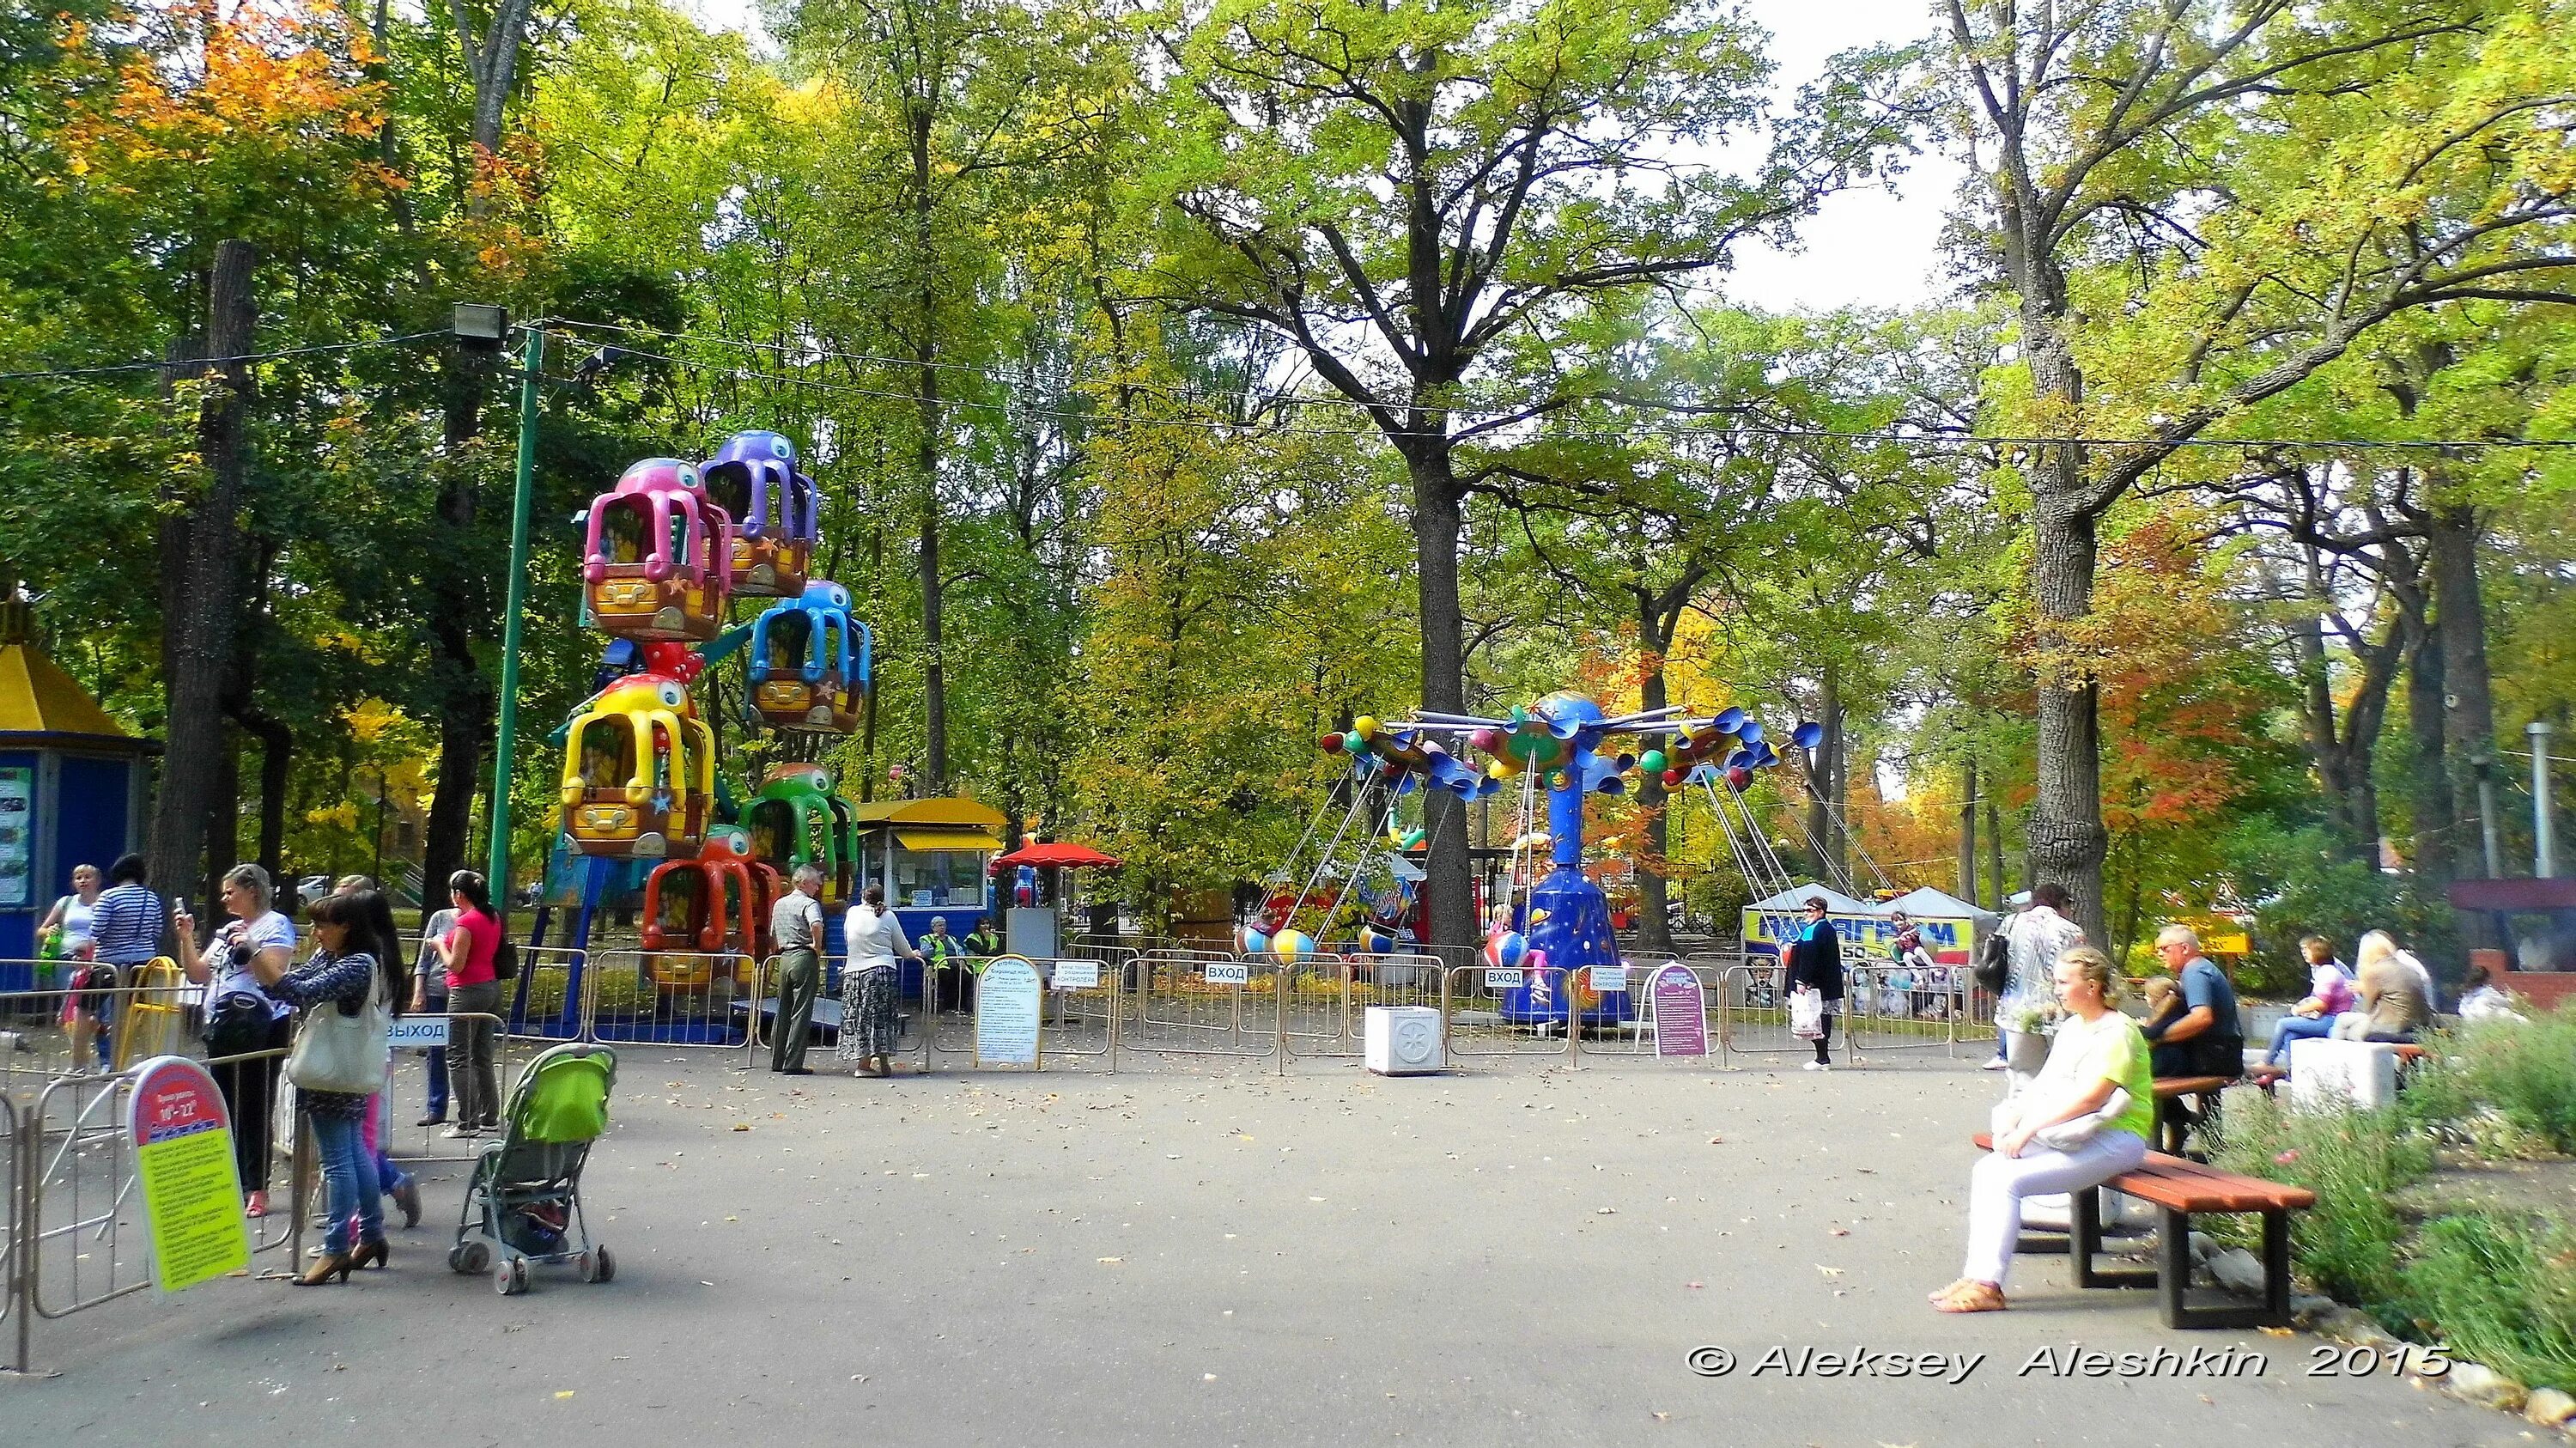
pixel 129 921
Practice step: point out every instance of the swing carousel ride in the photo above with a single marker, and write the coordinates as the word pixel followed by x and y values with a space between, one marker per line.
pixel 1553 923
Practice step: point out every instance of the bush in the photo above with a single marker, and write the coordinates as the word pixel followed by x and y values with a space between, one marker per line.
pixel 2354 1161
pixel 2308 886
pixel 2500 1292
pixel 2523 1075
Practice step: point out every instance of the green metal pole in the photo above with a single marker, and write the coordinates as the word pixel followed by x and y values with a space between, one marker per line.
pixel 505 748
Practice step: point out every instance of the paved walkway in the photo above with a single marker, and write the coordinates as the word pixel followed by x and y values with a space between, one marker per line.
pixel 1522 1255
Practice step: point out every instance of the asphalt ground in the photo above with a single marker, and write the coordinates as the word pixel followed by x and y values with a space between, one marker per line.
pixel 1518 1254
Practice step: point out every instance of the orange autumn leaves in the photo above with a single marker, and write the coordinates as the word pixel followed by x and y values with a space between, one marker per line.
pixel 227 103
pixel 2177 716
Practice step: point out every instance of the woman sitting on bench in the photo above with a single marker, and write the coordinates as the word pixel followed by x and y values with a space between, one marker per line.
pixel 2396 994
pixel 2083 1121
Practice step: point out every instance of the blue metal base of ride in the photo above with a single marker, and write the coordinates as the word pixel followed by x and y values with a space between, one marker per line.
pixel 1575 935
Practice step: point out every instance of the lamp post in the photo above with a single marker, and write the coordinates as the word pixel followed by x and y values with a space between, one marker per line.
pixel 2544 854
pixel 506 742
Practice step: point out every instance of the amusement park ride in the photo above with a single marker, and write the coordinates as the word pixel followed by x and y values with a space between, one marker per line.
pixel 668 550
pixel 1553 926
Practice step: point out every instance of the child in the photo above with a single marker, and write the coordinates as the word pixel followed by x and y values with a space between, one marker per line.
pixel 2164 1000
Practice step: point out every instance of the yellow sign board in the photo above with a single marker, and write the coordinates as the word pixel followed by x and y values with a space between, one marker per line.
pixel 183 1159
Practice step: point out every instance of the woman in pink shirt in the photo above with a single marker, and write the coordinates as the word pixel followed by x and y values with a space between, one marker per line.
pixel 2330 994
pixel 473 993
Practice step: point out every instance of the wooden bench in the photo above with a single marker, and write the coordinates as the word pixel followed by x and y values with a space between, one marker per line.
pixel 2181 1190
pixel 2173 1126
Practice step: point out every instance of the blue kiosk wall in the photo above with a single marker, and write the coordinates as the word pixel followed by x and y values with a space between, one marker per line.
pixel 71 789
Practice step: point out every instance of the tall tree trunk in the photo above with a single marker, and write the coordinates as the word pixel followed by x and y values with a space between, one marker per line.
pixel 1828 769
pixel 203 611
pixel 276 755
pixel 1968 830
pixel 2428 775
pixel 934 678
pixel 1994 849
pixel 1654 925
pixel 2468 714
pixel 2066 838
pixel 1448 873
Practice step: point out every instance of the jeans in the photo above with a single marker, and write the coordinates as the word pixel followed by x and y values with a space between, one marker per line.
pixel 1997 1186
pixel 2296 1028
pixel 349 1175
pixel 469 1053
pixel 436 1065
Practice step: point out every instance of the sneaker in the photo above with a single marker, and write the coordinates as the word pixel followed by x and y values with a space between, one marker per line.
pixel 1815 1065
pixel 462 1128
pixel 439 1120
pixel 1997 1064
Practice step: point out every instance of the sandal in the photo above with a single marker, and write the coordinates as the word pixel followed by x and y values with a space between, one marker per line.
pixel 1973 1297
pixel 1935 1295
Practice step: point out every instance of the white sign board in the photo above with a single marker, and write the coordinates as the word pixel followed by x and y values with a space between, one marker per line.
pixel 1497 979
pixel 1609 979
pixel 1006 1013
pixel 416 1033
pixel 1076 975
pixel 1228 972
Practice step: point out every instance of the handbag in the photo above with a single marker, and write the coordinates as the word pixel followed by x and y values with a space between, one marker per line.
pixel 236 1024
pixel 1807 1015
pixel 505 960
pixel 344 1053
pixel 1994 963
pixel 2069 1134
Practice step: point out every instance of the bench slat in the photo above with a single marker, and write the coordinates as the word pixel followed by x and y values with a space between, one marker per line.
pixel 2187 1186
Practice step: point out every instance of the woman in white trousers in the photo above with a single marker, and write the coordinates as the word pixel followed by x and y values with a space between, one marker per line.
pixel 2097 1053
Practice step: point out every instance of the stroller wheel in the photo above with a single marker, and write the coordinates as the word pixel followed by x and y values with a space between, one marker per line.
pixel 511 1277
pixel 588 1263
pixel 470 1258
pixel 607 1265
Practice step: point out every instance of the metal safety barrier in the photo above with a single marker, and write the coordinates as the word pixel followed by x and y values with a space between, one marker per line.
pixel 1896 1008
pixel 81 1240
pixel 153 1014
pixel 407 1080
pixel 542 1003
pixel 1492 1011
pixel 1328 996
pixel 666 997
pixel 1077 1024
pixel 1203 1003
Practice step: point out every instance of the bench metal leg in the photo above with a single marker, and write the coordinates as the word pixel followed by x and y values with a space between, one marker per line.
pixel 2084 1243
pixel 2173 1260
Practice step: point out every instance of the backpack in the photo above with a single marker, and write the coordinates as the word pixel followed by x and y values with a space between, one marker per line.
pixel 1994 962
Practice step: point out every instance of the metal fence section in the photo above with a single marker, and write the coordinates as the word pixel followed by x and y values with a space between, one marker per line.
pixel 155 1015
pixel 665 997
pixel 407 1087
pixel 542 1003
pixel 17 1329
pixel 1077 1023
pixel 1203 1003
pixel 1487 1011
pixel 1894 1008
pixel 1327 998
pixel 1754 1012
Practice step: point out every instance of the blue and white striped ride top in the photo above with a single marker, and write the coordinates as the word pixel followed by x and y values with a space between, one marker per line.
pixel 128 920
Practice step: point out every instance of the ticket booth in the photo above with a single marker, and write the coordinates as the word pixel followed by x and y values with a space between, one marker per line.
pixel 932 857
pixel 71 789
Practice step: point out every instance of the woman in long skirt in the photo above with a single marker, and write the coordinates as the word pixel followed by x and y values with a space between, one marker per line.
pixel 875 940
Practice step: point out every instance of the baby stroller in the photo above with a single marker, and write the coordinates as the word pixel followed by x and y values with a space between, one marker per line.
pixel 524 1203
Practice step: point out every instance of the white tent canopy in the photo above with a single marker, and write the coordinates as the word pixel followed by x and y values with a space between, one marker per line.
pixel 1796 897
pixel 1939 905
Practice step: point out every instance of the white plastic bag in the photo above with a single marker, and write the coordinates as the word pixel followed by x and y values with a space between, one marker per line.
pixel 1807 1015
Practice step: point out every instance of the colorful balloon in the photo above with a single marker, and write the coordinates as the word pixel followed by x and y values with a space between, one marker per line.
pixel 1292 945
pixel 1652 761
pixel 1504 949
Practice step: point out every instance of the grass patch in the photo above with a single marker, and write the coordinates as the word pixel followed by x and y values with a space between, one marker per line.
pixel 2512 1082
pixel 2500 1290
pixel 2351 1243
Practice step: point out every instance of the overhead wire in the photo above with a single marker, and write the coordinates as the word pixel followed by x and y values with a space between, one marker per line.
pixel 1469 411
pixel 190 364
